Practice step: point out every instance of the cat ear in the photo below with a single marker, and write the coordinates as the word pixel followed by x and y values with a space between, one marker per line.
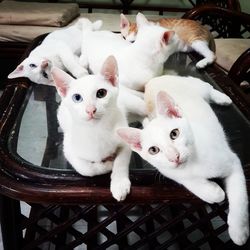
pixel 141 20
pixel 166 105
pixel 124 22
pixel 131 136
pixel 167 36
pixel 61 80
pixel 110 70
pixel 45 63
pixel 18 72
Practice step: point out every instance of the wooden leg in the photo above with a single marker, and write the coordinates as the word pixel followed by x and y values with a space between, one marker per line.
pixel 10 223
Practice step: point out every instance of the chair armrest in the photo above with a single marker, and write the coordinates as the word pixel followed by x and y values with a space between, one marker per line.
pixel 240 71
pixel 227 23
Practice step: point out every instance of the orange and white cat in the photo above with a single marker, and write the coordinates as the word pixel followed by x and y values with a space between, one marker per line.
pixel 191 36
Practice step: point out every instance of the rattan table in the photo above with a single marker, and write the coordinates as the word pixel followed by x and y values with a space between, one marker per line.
pixel 68 210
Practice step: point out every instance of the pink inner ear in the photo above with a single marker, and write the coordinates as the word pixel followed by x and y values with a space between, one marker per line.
pixel 61 80
pixel 63 90
pixel 131 136
pixel 124 22
pixel 44 64
pixel 110 70
pixel 167 106
pixel 19 68
pixel 173 113
pixel 167 36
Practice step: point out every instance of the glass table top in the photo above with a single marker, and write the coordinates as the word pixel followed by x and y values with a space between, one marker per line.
pixel 36 137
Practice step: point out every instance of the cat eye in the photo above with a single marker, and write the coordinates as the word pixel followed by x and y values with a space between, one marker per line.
pixel 77 98
pixel 101 93
pixel 174 133
pixel 45 75
pixel 32 65
pixel 153 150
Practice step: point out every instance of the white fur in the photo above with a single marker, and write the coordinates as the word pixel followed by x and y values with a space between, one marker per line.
pixel 90 138
pixel 137 62
pixel 199 153
pixel 61 48
pixel 191 86
pixel 200 46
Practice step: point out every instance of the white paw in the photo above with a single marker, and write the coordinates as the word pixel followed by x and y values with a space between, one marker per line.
pixel 120 187
pixel 80 72
pixel 205 61
pixel 223 100
pixel 238 233
pixel 213 193
pixel 201 64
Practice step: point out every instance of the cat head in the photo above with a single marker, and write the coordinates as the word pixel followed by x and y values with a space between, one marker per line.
pixel 128 29
pixel 91 97
pixel 155 39
pixel 36 69
pixel 167 140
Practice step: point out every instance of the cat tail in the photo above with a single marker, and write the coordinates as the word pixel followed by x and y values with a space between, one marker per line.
pixel 86 25
pixel 238 218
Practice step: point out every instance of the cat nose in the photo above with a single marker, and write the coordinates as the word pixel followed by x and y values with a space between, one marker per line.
pixel 91 110
pixel 175 157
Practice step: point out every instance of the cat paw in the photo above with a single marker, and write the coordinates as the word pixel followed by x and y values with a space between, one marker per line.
pixel 201 64
pixel 205 62
pixel 239 233
pixel 220 98
pixel 120 188
pixel 214 194
pixel 79 72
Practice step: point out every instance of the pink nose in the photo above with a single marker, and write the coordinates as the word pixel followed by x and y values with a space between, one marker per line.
pixel 91 110
pixel 175 158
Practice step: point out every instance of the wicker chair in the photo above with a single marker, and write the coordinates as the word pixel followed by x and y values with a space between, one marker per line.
pixel 227 23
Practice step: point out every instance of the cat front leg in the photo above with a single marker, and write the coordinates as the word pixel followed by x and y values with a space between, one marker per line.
pixel 219 98
pixel 202 48
pixel 71 63
pixel 238 218
pixel 206 190
pixel 132 102
pixel 83 60
pixel 120 183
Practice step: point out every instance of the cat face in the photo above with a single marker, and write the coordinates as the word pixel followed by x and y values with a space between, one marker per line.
pixel 91 97
pixel 167 141
pixel 161 39
pixel 36 69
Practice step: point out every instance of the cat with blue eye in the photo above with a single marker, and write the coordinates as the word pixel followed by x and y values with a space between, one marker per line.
pixel 91 109
pixel 57 49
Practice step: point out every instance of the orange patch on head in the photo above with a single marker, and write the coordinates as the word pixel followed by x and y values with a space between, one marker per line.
pixel 132 28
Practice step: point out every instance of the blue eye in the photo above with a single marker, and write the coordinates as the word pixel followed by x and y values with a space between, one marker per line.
pixel 77 98
pixel 32 65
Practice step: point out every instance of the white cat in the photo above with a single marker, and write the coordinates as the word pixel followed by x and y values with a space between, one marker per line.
pixel 186 143
pixel 137 62
pixel 89 115
pixel 190 35
pixel 61 48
